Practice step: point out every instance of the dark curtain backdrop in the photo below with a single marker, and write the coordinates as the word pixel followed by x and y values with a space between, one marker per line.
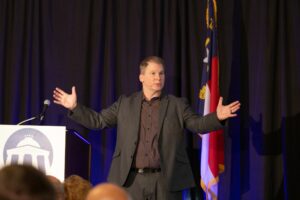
pixel 97 46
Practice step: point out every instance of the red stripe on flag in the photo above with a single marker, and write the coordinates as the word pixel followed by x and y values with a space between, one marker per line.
pixel 214 87
pixel 216 139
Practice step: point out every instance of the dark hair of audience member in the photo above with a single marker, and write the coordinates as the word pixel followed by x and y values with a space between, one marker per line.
pixel 58 186
pixel 24 182
pixel 76 187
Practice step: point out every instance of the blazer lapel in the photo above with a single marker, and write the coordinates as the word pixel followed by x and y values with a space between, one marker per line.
pixel 136 112
pixel 162 111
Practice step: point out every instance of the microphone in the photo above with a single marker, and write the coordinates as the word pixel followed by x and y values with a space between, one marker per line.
pixel 40 116
pixel 45 107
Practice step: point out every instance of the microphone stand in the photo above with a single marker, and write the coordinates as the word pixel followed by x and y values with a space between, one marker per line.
pixel 39 116
pixel 27 120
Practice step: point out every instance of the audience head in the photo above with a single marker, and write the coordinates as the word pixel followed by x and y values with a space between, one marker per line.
pixel 58 186
pixel 108 191
pixel 76 187
pixel 24 182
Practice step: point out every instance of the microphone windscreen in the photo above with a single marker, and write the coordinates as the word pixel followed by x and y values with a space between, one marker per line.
pixel 47 102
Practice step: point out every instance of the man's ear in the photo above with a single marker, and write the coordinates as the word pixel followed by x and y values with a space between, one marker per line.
pixel 141 77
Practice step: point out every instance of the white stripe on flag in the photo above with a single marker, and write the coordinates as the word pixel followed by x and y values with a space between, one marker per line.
pixel 206 174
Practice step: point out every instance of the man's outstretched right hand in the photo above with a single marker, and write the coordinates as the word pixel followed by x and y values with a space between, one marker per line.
pixel 68 101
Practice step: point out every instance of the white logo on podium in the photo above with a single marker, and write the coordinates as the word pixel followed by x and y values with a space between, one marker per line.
pixel 28 146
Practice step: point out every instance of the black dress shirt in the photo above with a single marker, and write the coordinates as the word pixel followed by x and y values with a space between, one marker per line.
pixel 147 155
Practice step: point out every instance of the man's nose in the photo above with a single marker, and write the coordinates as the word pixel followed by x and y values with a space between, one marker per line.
pixel 157 76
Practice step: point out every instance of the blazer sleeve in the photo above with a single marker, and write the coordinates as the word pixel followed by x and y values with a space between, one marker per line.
pixel 96 120
pixel 199 124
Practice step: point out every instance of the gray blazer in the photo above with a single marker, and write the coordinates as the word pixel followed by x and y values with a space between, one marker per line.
pixel 174 116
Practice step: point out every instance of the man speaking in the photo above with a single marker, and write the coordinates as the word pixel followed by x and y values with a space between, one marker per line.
pixel 150 160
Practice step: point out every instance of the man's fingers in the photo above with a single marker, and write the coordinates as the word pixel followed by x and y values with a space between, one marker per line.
pixel 60 91
pixel 235 103
pixel 57 95
pixel 220 101
pixel 233 109
pixel 73 90
pixel 57 102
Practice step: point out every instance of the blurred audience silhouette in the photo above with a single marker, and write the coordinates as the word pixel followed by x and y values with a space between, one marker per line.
pixel 76 187
pixel 108 191
pixel 58 186
pixel 24 182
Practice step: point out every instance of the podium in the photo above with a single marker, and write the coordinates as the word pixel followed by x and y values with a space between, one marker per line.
pixel 52 149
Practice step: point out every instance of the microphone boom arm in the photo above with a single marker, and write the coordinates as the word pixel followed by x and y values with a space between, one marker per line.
pixel 40 116
pixel 27 120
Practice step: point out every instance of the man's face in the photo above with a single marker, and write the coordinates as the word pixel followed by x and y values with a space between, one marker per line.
pixel 153 77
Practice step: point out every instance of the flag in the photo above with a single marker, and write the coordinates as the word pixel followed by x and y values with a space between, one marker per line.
pixel 212 151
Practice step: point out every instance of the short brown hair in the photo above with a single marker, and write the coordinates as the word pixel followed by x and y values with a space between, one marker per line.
pixel 148 59
pixel 76 187
pixel 24 182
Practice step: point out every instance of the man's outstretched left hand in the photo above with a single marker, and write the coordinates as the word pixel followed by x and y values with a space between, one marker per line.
pixel 227 111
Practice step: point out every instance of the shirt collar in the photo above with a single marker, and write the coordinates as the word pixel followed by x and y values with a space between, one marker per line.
pixel 153 99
